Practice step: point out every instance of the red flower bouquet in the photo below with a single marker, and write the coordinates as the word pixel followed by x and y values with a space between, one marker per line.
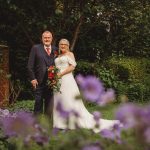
pixel 53 79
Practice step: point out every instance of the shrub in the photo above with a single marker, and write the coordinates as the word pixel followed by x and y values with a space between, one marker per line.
pixel 109 79
pixel 134 76
pixel 134 91
pixel 85 68
pixel 134 69
pixel 26 105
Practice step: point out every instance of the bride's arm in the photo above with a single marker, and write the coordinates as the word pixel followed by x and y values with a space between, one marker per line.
pixel 69 69
pixel 71 66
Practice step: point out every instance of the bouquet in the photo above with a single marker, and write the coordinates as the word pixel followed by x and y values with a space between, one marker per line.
pixel 53 79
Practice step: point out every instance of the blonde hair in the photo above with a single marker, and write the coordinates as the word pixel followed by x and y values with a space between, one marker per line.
pixel 64 40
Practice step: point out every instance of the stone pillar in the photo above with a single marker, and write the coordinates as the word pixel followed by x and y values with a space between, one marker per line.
pixel 4 71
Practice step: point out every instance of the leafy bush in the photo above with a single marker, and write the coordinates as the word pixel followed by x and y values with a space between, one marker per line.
pixel 85 68
pixel 134 76
pixel 25 105
pixel 135 91
pixel 134 69
pixel 109 79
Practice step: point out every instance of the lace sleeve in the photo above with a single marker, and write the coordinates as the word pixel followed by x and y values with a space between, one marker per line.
pixel 72 61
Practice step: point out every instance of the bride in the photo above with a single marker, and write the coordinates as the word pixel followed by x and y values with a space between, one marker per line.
pixel 69 112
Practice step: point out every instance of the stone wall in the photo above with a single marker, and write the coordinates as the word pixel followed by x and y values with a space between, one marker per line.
pixel 4 71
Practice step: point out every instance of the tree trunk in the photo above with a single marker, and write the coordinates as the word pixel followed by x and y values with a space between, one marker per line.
pixel 76 33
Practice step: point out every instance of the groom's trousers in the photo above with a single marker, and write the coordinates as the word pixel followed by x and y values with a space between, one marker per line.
pixel 43 100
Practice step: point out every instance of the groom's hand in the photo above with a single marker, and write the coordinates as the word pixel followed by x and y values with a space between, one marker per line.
pixel 34 83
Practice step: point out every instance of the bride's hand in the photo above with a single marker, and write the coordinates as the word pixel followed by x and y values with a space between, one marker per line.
pixel 59 75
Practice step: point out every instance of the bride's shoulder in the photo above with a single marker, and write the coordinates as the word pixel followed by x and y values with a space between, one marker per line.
pixel 70 54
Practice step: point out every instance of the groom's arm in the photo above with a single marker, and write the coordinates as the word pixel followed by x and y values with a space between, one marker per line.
pixel 31 64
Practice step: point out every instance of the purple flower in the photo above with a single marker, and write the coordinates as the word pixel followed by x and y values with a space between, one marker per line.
pixel 107 134
pixel 75 113
pixel 92 90
pixel 97 116
pixel 4 112
pixel 63 113
pixel 129 115
pixel 117 128
pixel 91 87
pixel 40 128
pixel 92 147
pixel 18 125
pixel 145 116
pixel 106 97
pixel 23 125
pixel 27 139
pixel 55 131
pixel 114 134
pixel 41 139
pixel 80 79
pixel 147 135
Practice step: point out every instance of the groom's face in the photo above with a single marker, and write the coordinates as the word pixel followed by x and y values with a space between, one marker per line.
pixel 47 39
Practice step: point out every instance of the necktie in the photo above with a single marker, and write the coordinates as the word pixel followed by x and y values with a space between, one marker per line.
pixel 48 51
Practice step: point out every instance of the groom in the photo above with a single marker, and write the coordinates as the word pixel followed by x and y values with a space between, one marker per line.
pixel 41 57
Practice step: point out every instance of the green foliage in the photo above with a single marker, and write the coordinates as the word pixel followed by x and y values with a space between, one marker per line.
pixel 25 105
pixel 77 139
pixel 134 74
pixel 129 69
pixel 107 76
pixel 109 79
pixel 85 68
pixel 128 76
pixel 137 92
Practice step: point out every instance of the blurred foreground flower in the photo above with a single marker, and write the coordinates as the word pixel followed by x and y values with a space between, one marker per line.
pixel 91 87
pixel 63 113
pixel 4 112
pixel 23 125
pixel 114 134
pixel 92 90
pixel 137 118
pixel 93 146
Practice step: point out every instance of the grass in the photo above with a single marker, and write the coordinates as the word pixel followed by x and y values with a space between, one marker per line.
pixel 107 111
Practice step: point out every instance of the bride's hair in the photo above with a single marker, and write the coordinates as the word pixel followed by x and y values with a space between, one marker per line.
pixel 66 42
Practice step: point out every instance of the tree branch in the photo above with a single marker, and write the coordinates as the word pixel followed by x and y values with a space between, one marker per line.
pixel 76 33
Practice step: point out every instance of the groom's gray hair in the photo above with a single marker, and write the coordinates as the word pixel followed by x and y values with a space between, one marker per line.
pixel 46 32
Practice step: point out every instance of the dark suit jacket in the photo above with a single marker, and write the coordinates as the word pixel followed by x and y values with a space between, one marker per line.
pixel 39 61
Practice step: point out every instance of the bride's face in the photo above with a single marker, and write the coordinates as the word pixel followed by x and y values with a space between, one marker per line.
pixel 64 47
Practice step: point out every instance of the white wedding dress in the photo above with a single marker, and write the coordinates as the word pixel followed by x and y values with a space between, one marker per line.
pixel 69 90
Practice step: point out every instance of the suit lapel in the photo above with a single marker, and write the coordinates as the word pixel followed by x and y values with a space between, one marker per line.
pixel 43 53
